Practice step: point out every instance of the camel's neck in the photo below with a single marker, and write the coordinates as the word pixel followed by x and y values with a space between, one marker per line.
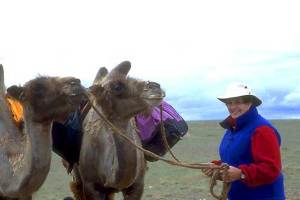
pixel 26 166
pixel 120 159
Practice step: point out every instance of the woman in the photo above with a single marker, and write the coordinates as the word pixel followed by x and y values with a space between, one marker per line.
pixel 251 146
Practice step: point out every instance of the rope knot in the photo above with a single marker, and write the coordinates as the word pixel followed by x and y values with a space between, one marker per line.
pixel 217 175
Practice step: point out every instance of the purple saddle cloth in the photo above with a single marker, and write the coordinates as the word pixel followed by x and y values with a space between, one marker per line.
pixel 148 125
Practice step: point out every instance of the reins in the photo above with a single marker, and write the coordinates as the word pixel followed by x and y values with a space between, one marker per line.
pixel 216 173
pixel 164 135
pixel 217 169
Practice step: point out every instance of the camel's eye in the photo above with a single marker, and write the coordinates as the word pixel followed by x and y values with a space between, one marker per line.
pixel 117 88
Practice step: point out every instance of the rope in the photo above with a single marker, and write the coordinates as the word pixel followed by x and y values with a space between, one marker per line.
pixel 216 173
pixel 213 183
pixel 216 168
pixel 164 135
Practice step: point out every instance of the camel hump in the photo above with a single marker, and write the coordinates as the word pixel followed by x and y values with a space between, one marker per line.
pixel 102 72
pixel 2 86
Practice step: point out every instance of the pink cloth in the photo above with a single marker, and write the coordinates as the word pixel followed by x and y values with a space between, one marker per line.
pixel 147 124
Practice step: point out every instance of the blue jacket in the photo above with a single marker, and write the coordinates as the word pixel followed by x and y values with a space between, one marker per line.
pixel 235 149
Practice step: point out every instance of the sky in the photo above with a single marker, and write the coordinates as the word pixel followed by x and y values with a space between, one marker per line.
pixel 194 49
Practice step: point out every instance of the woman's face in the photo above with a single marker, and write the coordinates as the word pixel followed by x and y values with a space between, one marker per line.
pixel 237 106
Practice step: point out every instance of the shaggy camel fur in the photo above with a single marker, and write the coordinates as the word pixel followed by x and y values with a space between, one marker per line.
pixel 25 155
pixel 108 163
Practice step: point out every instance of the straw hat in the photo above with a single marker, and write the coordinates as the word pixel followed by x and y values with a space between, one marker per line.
pixel 239 90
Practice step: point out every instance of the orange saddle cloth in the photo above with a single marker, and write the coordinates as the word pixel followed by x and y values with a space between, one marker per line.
pixel 16 109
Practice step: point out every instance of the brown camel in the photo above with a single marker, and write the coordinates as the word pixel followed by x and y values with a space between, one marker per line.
pixel 108 163
pixel 25 155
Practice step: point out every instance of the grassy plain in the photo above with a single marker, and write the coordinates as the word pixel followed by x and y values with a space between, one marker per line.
pixel 166 182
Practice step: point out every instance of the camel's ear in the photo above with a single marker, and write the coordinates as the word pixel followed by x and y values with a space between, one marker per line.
pixel 2 86
pixel 122 68
pixel 16 92
pixel 102 72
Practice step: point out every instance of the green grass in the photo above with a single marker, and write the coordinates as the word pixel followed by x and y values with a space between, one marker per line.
pixel 166 182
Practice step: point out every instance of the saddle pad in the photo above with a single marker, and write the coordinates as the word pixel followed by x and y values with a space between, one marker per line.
pixel 16 109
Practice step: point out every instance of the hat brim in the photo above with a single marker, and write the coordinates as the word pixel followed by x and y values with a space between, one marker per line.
pixel 254 99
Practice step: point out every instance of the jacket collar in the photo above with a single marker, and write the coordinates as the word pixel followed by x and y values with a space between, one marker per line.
pixel 241 120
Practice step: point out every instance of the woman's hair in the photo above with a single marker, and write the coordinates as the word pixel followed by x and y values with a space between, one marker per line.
pixel 248 99
pixel 243 99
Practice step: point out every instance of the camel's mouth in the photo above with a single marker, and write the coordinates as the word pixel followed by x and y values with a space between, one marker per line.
pixel 75 94
pixel 155 96
pixel 73 89
pixel 152 91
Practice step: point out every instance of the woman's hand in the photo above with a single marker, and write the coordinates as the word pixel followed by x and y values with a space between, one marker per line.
pixel 233 174
pixel 209 170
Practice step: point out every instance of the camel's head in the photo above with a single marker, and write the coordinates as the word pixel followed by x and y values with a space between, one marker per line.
pixel 49 98
pixel 123 97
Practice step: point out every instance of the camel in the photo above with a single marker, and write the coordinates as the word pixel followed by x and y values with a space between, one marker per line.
pixel 25 154
pixel 108 163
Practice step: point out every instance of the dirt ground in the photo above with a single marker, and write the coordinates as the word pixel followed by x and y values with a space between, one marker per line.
pixel 166 182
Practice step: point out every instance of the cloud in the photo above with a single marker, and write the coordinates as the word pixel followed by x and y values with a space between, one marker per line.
pixel 292 99
pixel 194 49
pixel 273 78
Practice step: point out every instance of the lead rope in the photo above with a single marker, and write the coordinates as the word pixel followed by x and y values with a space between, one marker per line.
pixel 164 135
pixel 216 173
pixel 216 169
pixel 225 186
